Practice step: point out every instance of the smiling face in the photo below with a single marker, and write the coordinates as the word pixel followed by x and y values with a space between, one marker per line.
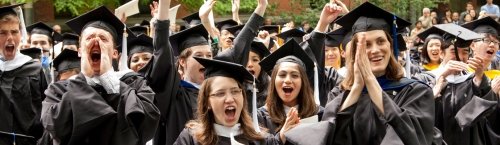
pixel 253 65
pixel 105 42
pixel 332 57
pixel 192 70
pixel 449 54
pixel 225 39
pixel 378 51
pixel 288 83
pixel 486 50
pixel 10 37
pixel 434 50
pixel 226 100
pixel 41 41
pixel 139 60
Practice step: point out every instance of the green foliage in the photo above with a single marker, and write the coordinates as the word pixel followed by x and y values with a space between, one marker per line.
pixel 402 7
pixel 222 7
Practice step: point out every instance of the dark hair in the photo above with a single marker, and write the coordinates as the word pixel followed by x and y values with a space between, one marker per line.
pixel 204 131
pixel 305 98
pixel 425 55
pixel 393 69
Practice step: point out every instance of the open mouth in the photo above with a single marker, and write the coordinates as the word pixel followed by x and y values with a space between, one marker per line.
pixel 490 52
pixel 95 55
pixel 10 47
pixel 252 72
pixel 230 112
pixel 288 90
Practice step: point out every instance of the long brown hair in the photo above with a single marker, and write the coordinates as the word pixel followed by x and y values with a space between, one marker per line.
pixel 393 69
pixel 305 98
pixel 203 126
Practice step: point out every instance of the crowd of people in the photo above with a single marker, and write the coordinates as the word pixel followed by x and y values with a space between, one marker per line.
pixel 359 77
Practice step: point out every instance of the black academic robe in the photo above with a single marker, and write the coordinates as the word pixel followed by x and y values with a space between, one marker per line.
pixel 461 110
pixel 186 138
pixel 21 95
pixel 492 122
pixel 408 119
pixel 328 77
pixel 77 113
pixel 266 122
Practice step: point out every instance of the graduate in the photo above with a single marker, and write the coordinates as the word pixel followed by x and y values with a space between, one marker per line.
pixel 226 38
pixel 222 117
pixel 378 105
pixel 269 31
pixel 431 50
pixel 70 41
pixel 140 52
pixel 22 85
pixel 66 65
pixel 258 52
pixel 292 34
pixel 43 36
pixel 290 95
pixel 462 98
pixel 333 50
pixel 97 107
pixel 34 52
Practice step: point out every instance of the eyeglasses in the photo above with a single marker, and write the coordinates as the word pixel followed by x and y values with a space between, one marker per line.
pixel 234 92
pixel 488 41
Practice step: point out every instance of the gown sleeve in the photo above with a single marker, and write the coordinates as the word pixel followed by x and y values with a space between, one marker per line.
pixel 185 138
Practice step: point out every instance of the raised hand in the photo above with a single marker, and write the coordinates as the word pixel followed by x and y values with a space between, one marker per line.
pixel 106 62
pixel 264 37
pixel 154 9
pixel 206 8
pixel 477 63
pixel 362 58
pixel 453 67
pixel 292 120
pixel 86 60
pixel 261 7
pixel 329 13
pixel 235 5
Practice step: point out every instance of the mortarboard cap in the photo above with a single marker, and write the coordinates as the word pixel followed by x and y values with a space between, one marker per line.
pixel 294 34
pixel 223 25
pixel 235 30
pixel 401 43
pixel 5 10
pixel 484 25
pixel 462 35
pixel 367 17
pixel 43 29
pixel 70 39
pixel 335 38
pixel 35 53
pixel 194 36
pixel 100 18
pixel 270 28
pixel 67 59
pixel 192 19
pixel 432 32
pixel 144 23
pixel 289 52
pixel 137 30
pixel 214 67
pixel 141 43
pixel 259 48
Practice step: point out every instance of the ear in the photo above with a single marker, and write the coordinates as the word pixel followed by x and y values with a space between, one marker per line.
pixel 182 62
pixel 115 54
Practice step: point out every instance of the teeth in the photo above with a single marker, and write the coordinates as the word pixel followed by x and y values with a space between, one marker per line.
pixel 230 108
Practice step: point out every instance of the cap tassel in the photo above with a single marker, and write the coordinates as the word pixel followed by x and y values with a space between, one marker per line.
pixel 254 108
pixel 123 57
pixel 408 65
pixel 316 85
pixel 395 37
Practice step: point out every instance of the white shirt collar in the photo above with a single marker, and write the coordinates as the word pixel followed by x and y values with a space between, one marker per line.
pixel 18 61
pixel 227 131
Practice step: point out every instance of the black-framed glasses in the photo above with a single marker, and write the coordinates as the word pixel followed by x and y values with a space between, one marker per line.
pixel 488 41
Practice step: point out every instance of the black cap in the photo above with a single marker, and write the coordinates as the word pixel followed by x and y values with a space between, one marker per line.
pixel 294 34
pixel 461 36
pixel 100 18
pixel 368 17
pixel 5 10
pixel 259 48
pixel 192 19
pixel 67 59
pixel 270 28
pixel 141 43
pixel 401 43
pixel 194 36
pixel 235 30
pixel 43 29
pixel 223 25
pixel 137 30
pixel 35 53
pixel 144 23
pixel 289 52
pixel 70 39
pixel 432 32
pixel 214 67
pixel 484 25
pixel 335 38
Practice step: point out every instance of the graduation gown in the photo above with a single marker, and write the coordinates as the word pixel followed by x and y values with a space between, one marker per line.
pixel 186 138
pixel 492 123
pixel 78 113
pixel 408 118
pixel 328 77
pixel 266 122
pixel 21 95
pixel 461 110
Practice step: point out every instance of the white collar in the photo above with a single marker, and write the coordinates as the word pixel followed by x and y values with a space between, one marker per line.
pixel 227 131
pixel 194 84
pixel 18 61
pixel 287 109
